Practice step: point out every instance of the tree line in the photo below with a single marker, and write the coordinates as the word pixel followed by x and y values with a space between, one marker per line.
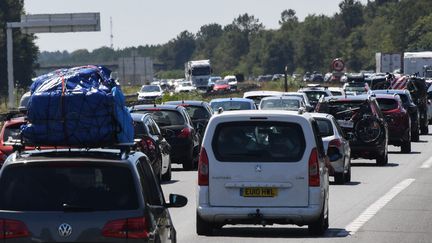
pixel 355 33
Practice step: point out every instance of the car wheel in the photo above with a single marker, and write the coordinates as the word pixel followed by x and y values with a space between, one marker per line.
pixel 382 159
pixel 425 130
pixel 320 226
pixel 406 147
pixel 339 178
pixel 348 173
pixel 167 175
pixel 203 227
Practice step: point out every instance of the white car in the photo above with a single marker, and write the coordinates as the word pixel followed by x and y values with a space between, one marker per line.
pixel 304 97
pixel 288 103
pixel 262 167
pixel 256 96
pixel 232 81
pixel 150 93
pixel 336 147
pixel 185 86
pixel 337 91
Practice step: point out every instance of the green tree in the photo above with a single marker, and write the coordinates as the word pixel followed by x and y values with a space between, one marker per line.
pixel 24 52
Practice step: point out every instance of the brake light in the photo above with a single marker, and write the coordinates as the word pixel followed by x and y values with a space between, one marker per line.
pixel 130 228
pixel 184 133
pixel 150 144
pixel 10 229
pixel 317 107
pixel 203 168
pixel 314 177
pixel 335 143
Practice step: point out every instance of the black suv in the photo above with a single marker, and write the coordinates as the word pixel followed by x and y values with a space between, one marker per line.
pixel 362 122
pixel 199 111
pixel 150 141
pixel 408 104
pixel 81 195
pixel 178 130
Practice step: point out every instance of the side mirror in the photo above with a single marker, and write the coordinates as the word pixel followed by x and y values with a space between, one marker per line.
pixel 176 201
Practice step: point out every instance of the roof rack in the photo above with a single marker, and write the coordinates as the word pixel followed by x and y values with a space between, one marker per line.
pixel 19 147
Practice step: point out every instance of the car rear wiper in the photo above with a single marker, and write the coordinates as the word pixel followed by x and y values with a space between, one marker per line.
pixel 75 208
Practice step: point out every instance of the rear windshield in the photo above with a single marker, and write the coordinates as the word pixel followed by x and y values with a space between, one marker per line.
pixel 325 126
pixel 197 112
pixel 336 93
pixel 344 109
pixel 231 105
pixel 165 117
pixel 280 104
pixel 67 186
pixel 387 104
pixel 11 134
pixel 315 95
pixel 259 142
pixel 139 129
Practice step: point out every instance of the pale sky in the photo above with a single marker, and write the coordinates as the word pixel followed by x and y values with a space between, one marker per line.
pixel 141 22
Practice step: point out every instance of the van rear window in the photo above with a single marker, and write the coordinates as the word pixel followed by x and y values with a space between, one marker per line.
pixel 65 186
pixel 259 142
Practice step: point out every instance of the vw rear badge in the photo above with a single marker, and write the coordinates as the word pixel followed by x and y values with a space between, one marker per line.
pixel 65 230
pixel 258 168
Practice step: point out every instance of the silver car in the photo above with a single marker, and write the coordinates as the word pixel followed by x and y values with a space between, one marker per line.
pixel 336 146
pixel 82 195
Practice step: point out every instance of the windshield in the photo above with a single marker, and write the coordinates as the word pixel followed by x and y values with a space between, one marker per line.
pixel 230 105
pixel 201 71
pixel 387 104
pixel 280 104
pixel 150 88
pixel 165 117
pixel 315 95
pixel 44 187
pixel 186 84
pixel 259 142
pixel 197 112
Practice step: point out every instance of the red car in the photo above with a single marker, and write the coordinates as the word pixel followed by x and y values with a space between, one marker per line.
pixel 398 120
pixel 10 132
pixel 221 85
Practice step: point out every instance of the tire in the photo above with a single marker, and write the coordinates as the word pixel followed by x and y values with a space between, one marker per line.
pixel 319 227
pixel 424 130
pixel 168 174
pixel 339 178
pixel 348 174
pixel 406 147
pixel 382 160
pixel 203 227
pixel 415 136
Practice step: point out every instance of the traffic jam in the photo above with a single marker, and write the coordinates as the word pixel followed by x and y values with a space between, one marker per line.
pixel 80 163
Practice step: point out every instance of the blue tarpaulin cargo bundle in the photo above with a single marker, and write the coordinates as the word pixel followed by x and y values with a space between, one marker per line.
pixel 80 106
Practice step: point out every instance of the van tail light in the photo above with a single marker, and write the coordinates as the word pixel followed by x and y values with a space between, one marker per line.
pixel 184 133
pixel 203 168
pixel 13 229
pixel 130 228
pixel 314 176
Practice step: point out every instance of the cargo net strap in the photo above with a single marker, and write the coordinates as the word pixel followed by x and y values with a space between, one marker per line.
pixel 71 119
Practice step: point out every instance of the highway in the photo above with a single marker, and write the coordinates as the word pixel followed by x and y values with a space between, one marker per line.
pixel 381 204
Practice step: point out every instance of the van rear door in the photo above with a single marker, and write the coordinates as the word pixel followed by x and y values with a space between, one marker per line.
pixel 260 163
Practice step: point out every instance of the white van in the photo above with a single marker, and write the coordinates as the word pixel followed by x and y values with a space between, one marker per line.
pixel 262 167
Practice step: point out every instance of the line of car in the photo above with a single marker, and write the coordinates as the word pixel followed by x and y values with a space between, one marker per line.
pixel 261 159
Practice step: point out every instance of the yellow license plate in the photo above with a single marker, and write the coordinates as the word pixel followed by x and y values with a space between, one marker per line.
pixel 259 192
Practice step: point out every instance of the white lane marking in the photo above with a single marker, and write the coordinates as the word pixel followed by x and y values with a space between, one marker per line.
pixel 427 164
pixel 373 209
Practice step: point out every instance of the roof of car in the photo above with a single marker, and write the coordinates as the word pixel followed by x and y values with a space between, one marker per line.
pixel 261 93
pixel 138 116
pixel 320 115
pixel 387 96
pixel 162 107
pixel 390 91
pixel 232 99
pixel 73 154
pixel 283 98
pixel 348 98
pixel 261 113
pixel 188 102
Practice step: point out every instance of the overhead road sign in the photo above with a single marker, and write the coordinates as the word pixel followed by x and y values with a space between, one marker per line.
pixel 46 23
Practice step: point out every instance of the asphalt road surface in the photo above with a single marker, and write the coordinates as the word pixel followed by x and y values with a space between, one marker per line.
pixel 381 204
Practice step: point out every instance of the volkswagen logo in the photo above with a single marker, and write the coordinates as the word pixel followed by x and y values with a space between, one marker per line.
pixel 65 230
pixel 258 168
